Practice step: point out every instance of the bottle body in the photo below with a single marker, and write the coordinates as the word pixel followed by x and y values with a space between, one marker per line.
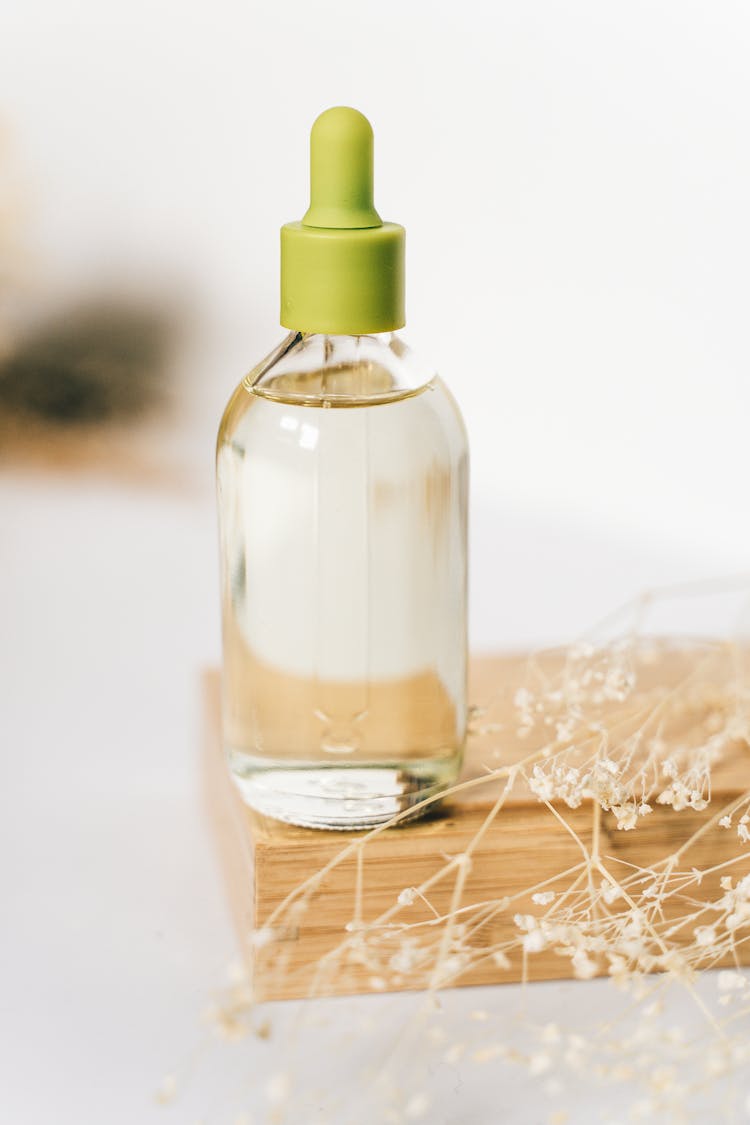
pixel 342 474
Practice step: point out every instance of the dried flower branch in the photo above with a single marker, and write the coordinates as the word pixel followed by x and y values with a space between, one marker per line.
pixel 597 730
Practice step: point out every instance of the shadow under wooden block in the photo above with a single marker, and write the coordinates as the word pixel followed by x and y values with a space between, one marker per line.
pixel 303 899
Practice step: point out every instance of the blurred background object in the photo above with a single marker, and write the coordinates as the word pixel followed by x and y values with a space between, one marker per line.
pixel 73 383
pixel 79 371
pixel 96 365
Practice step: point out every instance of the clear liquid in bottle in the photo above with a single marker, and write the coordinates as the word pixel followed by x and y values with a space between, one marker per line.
pixel 342 473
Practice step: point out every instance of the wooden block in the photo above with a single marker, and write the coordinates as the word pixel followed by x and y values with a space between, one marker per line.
pixel 303 898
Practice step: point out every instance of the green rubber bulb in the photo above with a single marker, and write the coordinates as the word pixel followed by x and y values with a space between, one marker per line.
pixel 342 268
pixel 341 172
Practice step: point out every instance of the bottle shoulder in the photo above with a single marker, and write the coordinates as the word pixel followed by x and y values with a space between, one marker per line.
pixel 340 369
pixel 340 372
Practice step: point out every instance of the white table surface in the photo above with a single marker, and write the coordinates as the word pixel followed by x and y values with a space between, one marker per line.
pixel 116 934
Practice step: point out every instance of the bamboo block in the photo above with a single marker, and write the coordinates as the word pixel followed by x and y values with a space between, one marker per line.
pixel 265 861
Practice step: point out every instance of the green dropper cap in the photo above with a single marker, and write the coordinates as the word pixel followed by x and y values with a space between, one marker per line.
pixel 342 267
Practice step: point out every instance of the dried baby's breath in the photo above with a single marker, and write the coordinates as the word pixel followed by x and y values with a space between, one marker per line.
pixel 598 731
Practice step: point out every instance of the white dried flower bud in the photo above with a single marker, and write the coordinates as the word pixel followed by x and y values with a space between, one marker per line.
pixel 610 893
pixel 416 1107
pixel 405 959
pixel 262 937
pixel 543 898
pixel 167 1090
pixel 534 942
pixel 583 967
pixel 627 816
pixel 541 784
pixel 454 1053
pixel 564 730
pixel 731 981
pixel 539 1063
pixel 277 1088
pixel 523 699
pixel 493 1051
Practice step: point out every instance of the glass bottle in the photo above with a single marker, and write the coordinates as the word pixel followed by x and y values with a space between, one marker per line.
pixel 342 469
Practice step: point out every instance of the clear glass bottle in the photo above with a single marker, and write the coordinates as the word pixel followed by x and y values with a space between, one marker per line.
pixel 342 471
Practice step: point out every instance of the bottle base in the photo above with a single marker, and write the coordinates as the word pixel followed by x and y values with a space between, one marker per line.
pixel 340 797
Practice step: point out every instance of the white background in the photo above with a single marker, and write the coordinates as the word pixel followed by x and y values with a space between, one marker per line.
pixel 574 179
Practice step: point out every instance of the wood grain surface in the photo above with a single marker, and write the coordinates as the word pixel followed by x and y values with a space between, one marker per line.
pixel 265 862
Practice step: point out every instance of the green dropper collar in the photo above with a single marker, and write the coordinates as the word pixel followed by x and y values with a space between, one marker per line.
pixel 342 267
